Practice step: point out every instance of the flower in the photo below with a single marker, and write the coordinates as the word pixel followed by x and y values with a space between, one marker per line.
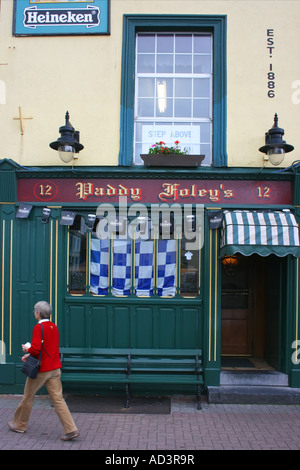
pixel 161 147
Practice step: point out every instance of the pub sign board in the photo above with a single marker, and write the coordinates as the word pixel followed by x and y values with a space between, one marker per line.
pixel 213 192
pixel 61 18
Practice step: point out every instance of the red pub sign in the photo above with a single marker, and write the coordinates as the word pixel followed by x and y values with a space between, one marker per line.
pixel 155 191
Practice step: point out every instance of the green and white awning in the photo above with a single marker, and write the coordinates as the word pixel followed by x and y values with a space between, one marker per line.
pixel 261 232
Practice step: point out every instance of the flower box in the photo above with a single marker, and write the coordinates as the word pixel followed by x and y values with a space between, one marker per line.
pixel 171 159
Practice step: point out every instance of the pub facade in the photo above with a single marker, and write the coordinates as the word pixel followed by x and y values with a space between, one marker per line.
pixel 136 249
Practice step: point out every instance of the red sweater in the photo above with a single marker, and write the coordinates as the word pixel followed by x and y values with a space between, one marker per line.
pixel 50 361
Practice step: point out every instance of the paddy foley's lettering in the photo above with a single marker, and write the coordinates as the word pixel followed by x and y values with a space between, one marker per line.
pixel 88 17
pixel 170 191
pixel 85 190
pixel 174 192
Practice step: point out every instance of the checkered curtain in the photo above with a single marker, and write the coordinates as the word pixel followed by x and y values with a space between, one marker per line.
pixel 121 267
pixel 143 276
pixel 144 267
pixel 166 268
pixel 99 281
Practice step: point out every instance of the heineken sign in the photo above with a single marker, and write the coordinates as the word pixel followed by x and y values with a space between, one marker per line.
pixel 61 18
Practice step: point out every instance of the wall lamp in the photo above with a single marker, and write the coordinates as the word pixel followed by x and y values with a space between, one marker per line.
pixel 91 221
pixel 45 215
pixel 275 148
pixel 67 218
pixel 68 144
pixel 23 211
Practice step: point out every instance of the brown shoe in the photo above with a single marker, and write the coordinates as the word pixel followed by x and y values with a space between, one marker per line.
pixel 13 428
pixel 70 435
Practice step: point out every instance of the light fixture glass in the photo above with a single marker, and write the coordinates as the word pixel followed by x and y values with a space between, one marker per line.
pixel 66 153
pixel 276 155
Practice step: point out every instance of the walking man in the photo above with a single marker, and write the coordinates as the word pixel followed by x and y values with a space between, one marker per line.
pixel 49 375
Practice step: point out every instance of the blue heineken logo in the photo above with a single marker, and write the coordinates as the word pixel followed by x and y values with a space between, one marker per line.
pixel 86 17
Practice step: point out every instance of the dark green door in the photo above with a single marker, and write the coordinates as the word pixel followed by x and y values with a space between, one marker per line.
pixel 275 269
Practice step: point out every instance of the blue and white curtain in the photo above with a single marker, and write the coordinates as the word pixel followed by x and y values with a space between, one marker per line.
pixel 121 267
pixel 143 282
pixel 166 268
pixel 99 272
pixel 144 262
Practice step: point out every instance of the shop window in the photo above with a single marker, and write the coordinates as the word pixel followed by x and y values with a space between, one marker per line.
pixel 162 267
pixel 189 270
pixel 77 250
pixel 179 90
pixel 139 267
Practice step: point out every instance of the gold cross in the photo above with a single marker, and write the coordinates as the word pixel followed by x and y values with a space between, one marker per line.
pixel 21 118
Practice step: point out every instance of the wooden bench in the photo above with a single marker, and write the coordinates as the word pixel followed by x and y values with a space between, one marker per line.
pixel 133 367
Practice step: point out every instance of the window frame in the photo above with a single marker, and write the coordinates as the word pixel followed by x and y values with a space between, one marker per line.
pixel 215 24
pixel 174 77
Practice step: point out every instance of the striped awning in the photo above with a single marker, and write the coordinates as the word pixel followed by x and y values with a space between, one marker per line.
pixel 261 232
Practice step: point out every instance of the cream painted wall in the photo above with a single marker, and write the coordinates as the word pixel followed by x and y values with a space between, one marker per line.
pixel 48 75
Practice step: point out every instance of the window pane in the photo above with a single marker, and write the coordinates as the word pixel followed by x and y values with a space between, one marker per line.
pixel 183 63
pixel 183 43
pixel 146 43
pixel 165 43
pixel 202 64
pixel 77 257
pixel 138 132
pixel 164 63
pixel 202 43
pixel 205 132
pixel 201 88
pixel 146 107
pixel 183 87
pixel 164 90
pixel 164 108
pixel 205 149
pixel 201 108
pixel 164 86
pixel 146 87
pixel 183 108
pixel 146 63
pixel 189 271
pixel 139 149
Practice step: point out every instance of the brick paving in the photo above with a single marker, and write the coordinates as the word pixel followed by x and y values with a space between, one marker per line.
pixel 215 427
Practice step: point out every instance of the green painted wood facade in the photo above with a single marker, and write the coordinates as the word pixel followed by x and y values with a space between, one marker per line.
pixel 34 267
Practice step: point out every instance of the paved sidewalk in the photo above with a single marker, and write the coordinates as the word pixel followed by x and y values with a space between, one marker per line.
pixel 216 426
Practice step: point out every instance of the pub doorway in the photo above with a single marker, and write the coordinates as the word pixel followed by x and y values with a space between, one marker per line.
pixel 251 311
